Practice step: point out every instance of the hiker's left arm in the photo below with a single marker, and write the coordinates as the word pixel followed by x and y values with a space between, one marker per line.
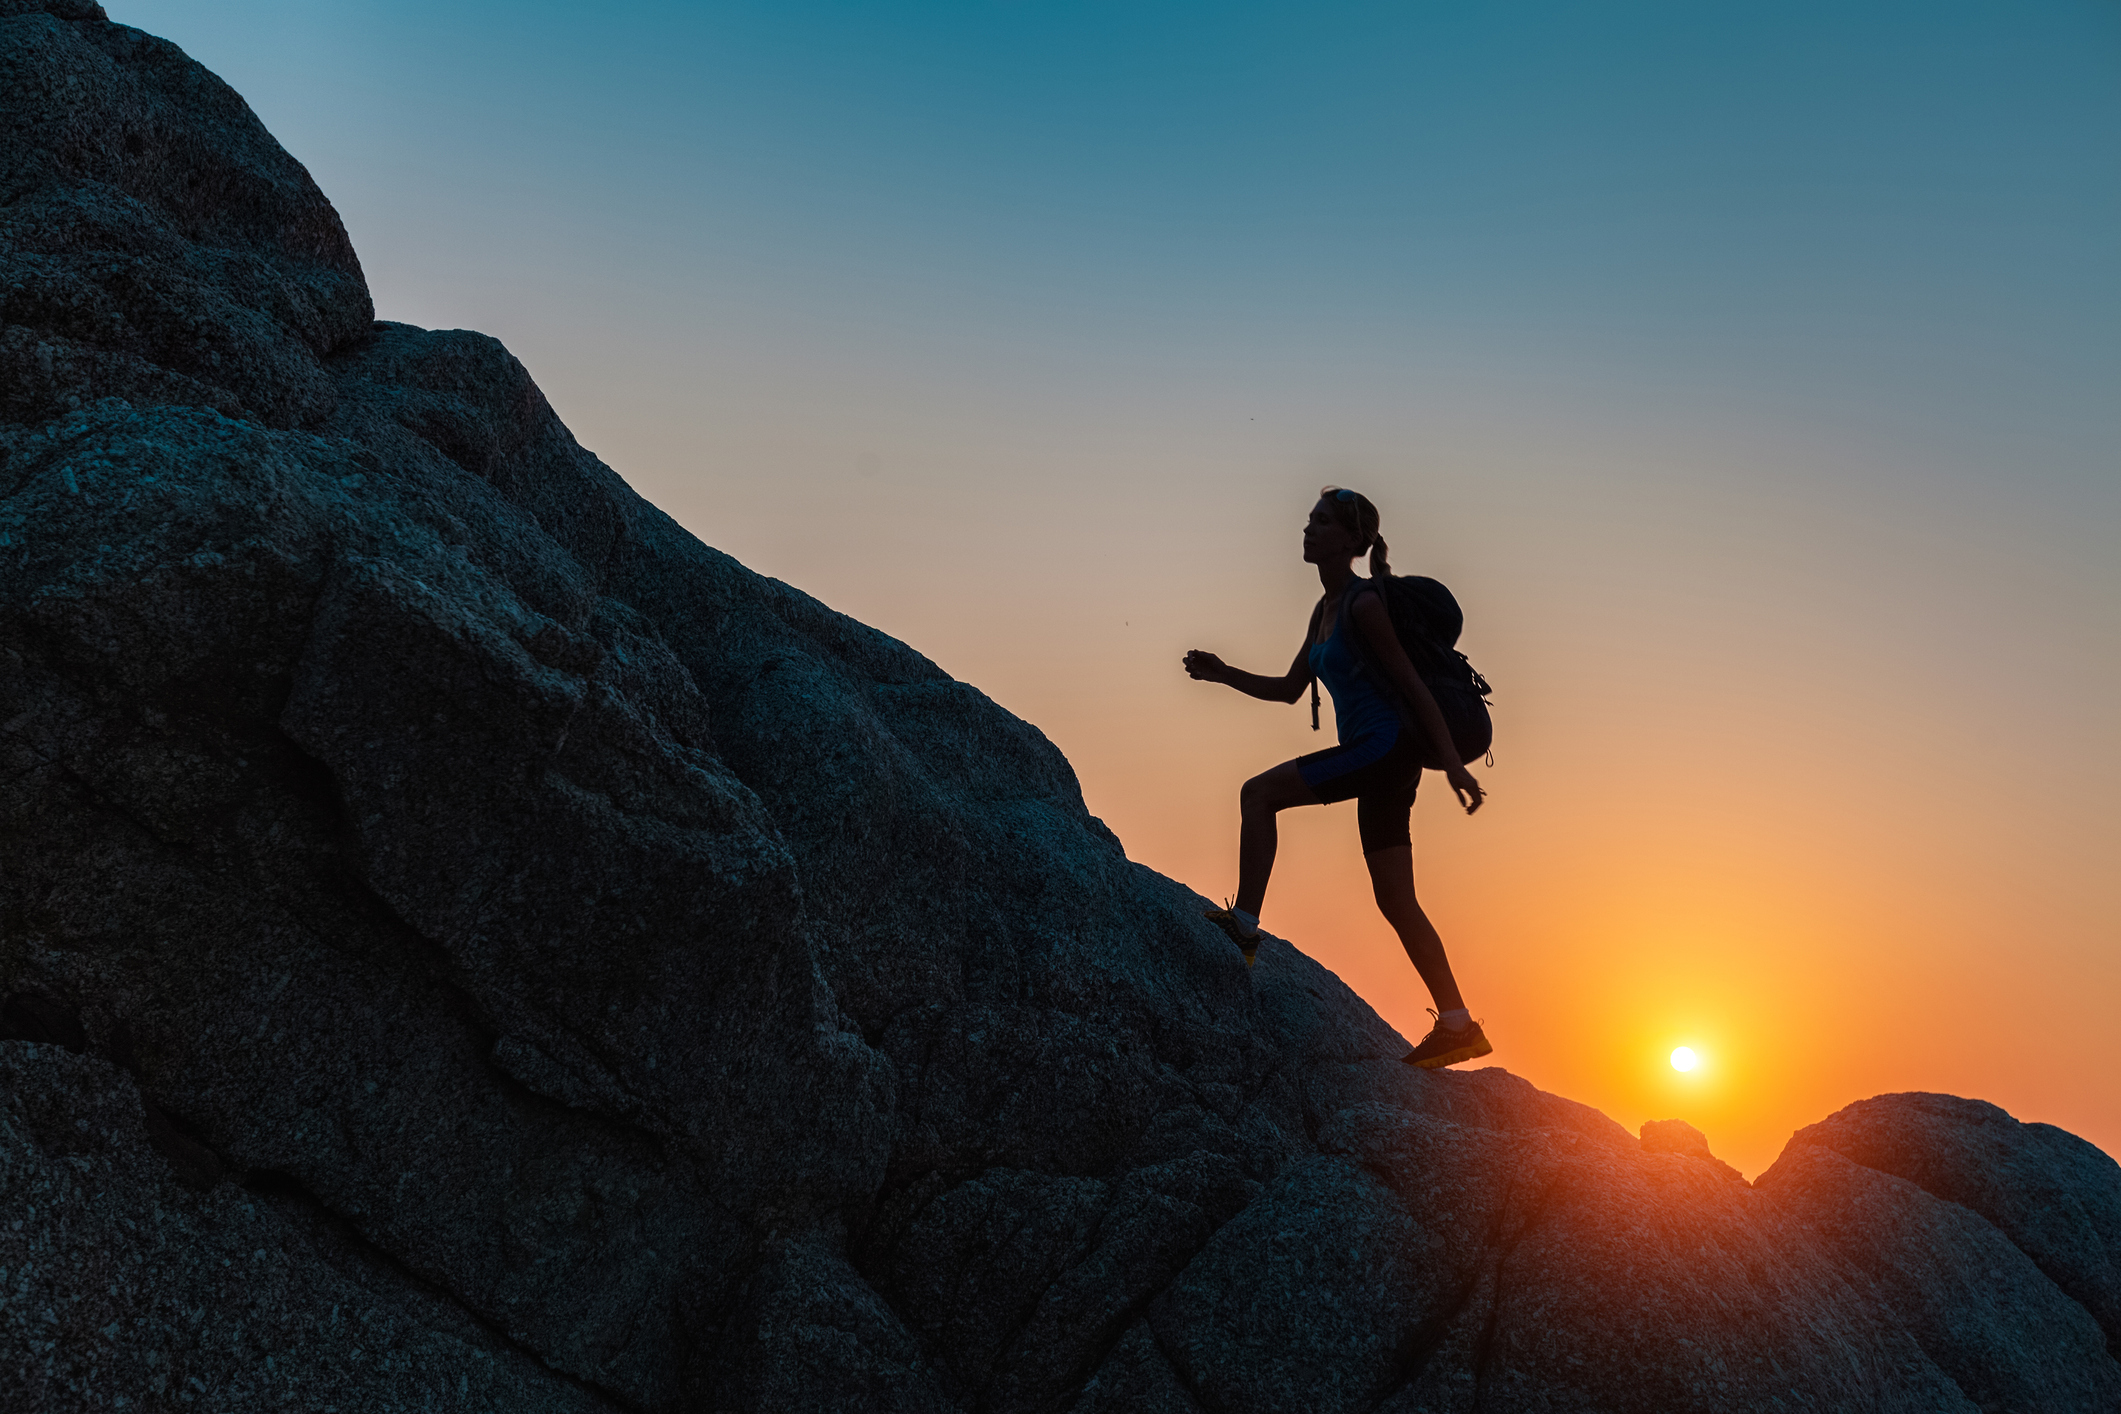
pixel 1376 624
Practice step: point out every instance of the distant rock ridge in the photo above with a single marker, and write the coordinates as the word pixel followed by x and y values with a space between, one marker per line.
pixel 465 944
pixel 1676 1136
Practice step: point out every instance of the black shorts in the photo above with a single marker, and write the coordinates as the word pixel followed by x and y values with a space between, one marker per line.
pixel 1382 786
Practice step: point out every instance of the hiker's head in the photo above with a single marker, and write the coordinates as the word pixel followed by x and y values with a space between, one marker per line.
pixel 1343 525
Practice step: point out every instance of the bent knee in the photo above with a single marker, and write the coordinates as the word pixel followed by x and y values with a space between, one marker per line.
pixel 1259 793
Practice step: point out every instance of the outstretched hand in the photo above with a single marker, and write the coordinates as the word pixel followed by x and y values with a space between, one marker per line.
pixel 1468 790
pixel 1204 666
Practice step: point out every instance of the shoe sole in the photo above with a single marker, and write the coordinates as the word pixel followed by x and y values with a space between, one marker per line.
pixel 1251 952
pixel 1463 1053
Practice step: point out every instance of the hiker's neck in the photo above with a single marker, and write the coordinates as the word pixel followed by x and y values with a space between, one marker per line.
pixel 1335 576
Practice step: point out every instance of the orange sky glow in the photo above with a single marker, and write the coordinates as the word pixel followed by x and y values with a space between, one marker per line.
pixel 1742 801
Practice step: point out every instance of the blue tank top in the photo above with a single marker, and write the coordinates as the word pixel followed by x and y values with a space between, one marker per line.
pixel 1359 710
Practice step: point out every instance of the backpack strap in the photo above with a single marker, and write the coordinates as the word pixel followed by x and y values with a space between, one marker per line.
pixel 1365 661
pixel 1355 590
pixel 1311 641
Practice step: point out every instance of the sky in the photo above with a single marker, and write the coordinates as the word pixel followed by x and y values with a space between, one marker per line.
pixel 1750 374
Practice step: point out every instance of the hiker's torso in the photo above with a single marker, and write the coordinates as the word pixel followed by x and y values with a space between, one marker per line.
pixel 1359 709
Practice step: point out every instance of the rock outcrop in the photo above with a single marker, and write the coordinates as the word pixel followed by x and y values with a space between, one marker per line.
pixel 467 944
pixel 1676 1136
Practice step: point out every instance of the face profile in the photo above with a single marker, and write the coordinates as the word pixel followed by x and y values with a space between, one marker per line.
pixel 1326 538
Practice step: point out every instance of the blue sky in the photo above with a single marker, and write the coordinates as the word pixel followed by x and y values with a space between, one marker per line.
pixel 1921 196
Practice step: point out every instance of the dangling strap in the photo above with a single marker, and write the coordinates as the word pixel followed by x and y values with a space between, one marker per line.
pixel 1318 612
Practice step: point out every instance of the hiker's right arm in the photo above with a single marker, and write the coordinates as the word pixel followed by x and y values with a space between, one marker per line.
pixel 1206 667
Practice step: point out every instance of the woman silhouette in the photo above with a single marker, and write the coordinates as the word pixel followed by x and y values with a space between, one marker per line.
pixel 1377 763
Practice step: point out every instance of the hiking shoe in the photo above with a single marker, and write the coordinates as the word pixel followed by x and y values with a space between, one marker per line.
pixel 1225 918
pixel 1443 1046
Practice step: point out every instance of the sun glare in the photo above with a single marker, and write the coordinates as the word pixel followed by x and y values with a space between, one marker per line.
pixel 1685 1059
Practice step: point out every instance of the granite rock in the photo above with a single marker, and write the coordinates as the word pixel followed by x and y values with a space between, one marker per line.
pixel 1977 1303
pixel 127 1287
pixel 2053 1195
pixel 617 980
pixel 1676 1136
pixel 156 244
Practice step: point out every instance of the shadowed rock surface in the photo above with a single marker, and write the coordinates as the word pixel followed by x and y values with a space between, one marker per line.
pixel 466 944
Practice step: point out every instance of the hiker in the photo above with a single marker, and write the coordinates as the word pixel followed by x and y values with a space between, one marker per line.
pixel 1387 730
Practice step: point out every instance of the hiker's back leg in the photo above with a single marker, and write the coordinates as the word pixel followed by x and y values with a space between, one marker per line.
pixel 1392 881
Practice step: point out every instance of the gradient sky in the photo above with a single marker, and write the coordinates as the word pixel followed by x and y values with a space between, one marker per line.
pixel 1753 374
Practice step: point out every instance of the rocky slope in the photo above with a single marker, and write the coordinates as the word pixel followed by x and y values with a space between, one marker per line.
pixel 466 944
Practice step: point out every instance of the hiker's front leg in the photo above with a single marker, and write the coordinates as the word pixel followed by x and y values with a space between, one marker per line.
pixel 1262 798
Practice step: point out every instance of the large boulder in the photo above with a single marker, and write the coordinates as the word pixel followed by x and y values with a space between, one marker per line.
pixel 1975 1302
pixel 2057 1198
pixel 130 1287
pixel 453 920
pixel 156 244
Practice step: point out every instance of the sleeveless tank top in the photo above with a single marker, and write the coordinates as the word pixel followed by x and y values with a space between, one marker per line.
pixel 1359 710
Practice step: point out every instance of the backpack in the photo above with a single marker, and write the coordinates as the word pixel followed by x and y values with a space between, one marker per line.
pixel 1428 621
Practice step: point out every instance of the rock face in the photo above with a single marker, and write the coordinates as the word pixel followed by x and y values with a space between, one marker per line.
pixel 1676 1136
pixel 466 944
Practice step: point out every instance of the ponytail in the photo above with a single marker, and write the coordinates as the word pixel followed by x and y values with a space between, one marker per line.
pixel 1354 511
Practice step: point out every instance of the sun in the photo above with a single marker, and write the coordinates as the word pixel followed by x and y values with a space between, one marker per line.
pixel 1685 1059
